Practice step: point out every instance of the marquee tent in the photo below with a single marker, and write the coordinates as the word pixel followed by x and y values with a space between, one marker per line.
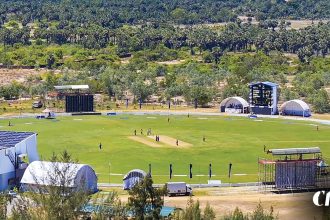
pixel 40 174
pixel 295 107
pixel 234 105
pixel 133 177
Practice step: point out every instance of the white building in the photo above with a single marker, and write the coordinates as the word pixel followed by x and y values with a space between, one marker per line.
pixel 234 105
pixel 15 147
pixel 295 107
pixel 41 174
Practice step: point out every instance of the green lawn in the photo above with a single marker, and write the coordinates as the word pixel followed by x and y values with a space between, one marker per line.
pixel 238 140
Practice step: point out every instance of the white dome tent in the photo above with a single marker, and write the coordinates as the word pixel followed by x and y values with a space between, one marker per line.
pixel 234 105
pixel 41 174
pixel 133 177
pixel 295 107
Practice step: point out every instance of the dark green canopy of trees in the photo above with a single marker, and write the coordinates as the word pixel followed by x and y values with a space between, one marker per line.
pixel 113 13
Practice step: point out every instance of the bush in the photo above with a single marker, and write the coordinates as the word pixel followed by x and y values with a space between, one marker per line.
pixel 207 57
pixel 258 214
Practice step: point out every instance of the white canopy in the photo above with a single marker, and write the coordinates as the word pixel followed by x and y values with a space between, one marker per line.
pixel 234 100
pixel 46 173
pixel 132 178
pixel 295 107
pixel 294 104
pixel 135 173
pixel 71 87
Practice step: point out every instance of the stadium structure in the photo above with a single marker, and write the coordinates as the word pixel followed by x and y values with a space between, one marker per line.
pixel 263 98
pixel 15 149
pixel 293 169
pixel 77 98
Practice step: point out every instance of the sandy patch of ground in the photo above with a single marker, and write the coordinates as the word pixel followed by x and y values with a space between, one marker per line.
pixel 321 116
pixel 20 75
pixel 286 206
pixel 125 60
pixel 299 24
pixel 225 200
pixel 170 141
pixel 144 141
pixel 171 62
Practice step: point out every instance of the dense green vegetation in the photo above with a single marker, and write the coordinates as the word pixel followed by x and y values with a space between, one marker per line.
pixel 119 48
pixel 243 37
pixel 113 13
pixel 238 140
pixel 191 80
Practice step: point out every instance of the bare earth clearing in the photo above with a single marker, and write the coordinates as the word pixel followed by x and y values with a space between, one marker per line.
pixel 287 207
pixel 20 75
pixel 225 200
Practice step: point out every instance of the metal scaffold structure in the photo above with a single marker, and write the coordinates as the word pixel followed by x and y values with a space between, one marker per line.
pixel 293 169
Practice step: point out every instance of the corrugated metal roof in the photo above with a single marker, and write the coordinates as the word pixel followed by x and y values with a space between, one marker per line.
pixel 11 138
pixel 266 83
pixel 292 151
pixel 71 87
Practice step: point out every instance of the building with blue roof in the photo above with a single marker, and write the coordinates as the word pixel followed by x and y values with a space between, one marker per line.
pixel 15 147
pixel 263 98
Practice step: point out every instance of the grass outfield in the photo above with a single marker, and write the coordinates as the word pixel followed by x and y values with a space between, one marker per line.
pixel 238 140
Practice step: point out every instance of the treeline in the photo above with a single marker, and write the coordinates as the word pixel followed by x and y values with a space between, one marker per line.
pixel 237 37
pixel 194 81
pixel 113 13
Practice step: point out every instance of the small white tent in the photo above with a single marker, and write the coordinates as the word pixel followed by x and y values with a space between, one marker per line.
pixel 133 177
pixel 234 105
pixel 42 173
pixel 295 107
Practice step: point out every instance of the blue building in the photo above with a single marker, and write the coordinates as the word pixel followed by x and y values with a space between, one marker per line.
pixel 263 98
pixel 15 148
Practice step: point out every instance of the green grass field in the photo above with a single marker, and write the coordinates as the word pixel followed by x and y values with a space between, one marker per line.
pixel 238 140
